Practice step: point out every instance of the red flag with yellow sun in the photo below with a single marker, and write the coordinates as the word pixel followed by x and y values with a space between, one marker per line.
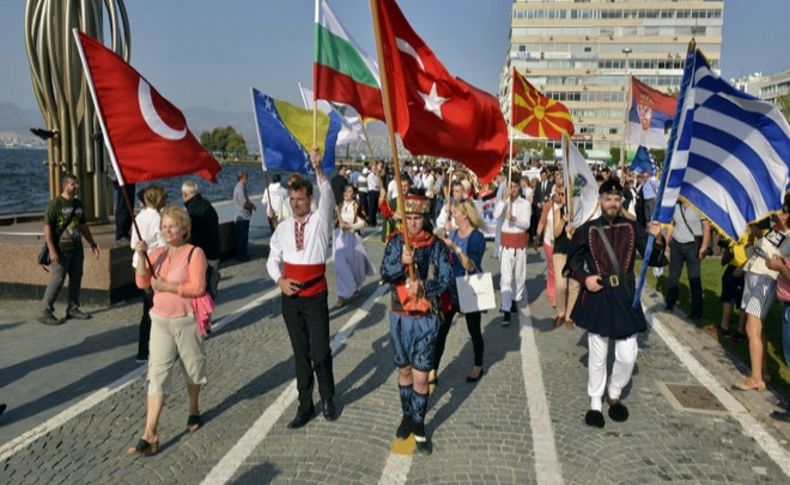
pixel 537 115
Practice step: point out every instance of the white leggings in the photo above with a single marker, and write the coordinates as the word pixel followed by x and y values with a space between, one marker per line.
pixel 625 351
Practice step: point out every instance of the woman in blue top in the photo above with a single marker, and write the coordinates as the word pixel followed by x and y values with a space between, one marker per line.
pixel 468 245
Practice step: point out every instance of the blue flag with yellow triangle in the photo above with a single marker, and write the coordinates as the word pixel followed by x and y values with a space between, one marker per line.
pixel 285 133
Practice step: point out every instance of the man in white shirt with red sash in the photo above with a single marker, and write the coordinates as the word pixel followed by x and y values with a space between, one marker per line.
pixel 299 249
pixel 513 247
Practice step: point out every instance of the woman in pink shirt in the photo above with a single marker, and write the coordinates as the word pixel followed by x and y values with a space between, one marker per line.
pixel 180 270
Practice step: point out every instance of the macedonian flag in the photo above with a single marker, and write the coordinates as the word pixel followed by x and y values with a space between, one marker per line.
pixel 537 115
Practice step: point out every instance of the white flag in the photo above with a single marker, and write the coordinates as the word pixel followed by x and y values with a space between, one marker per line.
pixel 580 184
pixel 350 131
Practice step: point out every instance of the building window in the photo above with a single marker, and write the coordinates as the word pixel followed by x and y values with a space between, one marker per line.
pixel 612 131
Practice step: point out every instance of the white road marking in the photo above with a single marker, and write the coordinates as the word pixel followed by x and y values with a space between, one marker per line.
pixel 55 422
pixel 234 459
pixel 396 470
pixel 547 464
pixel 749 424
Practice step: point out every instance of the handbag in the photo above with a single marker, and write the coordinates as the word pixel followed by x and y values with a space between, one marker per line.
pixel 43 253
pixel 475 292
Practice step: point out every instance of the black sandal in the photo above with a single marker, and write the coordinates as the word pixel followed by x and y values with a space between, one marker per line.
pixel 194 423
pixel 144 448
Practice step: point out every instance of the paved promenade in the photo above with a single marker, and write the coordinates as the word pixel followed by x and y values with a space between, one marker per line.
pixel 77 401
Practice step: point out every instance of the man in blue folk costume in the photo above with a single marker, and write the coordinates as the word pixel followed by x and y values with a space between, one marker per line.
pixel 413 322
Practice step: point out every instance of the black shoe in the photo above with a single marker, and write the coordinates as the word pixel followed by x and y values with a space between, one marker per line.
pixel 2 409
pixel 330 412
pixel 141 359
pixel 404 429
pixel 783 416
pixel 78 314
pixel 423 445
pixel 617 410
pixel 302 418
pixel 506 319
pixel 738 337
pixel 594 418
pixel 49 319
pixel 724 332
pixel 475 379
pixel 513 307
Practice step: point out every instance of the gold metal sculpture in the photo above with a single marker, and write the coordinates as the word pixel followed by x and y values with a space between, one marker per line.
pixel 74 136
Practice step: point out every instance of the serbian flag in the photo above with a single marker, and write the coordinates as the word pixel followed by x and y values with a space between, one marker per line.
pixel 146 136
pixel 342 71
pixel 537 115
pixel 650 116
pixel 434 112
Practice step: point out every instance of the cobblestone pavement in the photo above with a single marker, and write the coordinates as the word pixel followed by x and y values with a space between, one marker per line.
pixel 482 432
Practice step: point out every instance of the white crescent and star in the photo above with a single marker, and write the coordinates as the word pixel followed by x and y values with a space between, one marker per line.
pixel 433 102
pixel 152 118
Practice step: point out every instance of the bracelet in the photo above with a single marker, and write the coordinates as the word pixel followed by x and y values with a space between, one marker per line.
pixel 458 251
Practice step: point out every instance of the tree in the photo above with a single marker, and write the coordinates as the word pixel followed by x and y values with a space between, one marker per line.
pixel 583 152
pixel 224 140
pixel 614 153
pixel 783 102
pixel 658 154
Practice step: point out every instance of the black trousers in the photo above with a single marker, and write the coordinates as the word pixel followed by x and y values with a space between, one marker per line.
pixel 688 254
pixel 472 325
pixel 123 219
pixel 373 206
pixel 145 323
pixel 307 321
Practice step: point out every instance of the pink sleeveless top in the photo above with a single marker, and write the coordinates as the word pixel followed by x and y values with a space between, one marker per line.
pixel 190 277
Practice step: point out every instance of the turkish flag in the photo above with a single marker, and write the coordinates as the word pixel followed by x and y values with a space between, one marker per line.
pixel 434 112
pixel 146 135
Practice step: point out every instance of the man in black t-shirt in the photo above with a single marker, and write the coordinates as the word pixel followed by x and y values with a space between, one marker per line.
pixel 64 227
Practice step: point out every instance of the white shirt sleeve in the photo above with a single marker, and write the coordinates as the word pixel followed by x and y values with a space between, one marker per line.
pixel 523 215
pixel 326 204
pixel 274 263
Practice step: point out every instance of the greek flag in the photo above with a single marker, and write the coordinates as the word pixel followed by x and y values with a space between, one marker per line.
pixel 730 156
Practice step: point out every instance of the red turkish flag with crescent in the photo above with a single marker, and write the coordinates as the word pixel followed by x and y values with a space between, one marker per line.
pixel 434 112
pixel 146 135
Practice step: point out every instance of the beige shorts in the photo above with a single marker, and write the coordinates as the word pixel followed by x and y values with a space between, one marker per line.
pixel 174 339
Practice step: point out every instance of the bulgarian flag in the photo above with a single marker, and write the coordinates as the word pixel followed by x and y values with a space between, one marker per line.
pixel 342 71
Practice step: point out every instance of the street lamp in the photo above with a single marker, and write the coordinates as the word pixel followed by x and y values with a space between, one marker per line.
pixel 627 51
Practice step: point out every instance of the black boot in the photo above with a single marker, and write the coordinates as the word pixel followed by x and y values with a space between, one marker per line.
pixel 424 445
pixel 302 418
pixel 329 410
pixel 404 429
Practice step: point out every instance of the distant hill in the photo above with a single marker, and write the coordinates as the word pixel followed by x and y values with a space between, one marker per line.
pixel 15 124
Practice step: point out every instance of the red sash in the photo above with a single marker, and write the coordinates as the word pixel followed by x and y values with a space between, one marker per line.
pixel 310 275
pixel 514 240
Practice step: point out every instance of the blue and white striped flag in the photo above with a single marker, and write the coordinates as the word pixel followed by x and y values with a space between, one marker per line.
pixel 731 156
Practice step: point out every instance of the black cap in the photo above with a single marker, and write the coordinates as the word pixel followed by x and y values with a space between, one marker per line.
pixel 611 186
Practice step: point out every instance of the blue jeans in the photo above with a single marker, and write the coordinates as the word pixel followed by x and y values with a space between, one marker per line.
pixel 786 332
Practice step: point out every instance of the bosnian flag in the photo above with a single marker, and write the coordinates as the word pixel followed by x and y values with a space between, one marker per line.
pixel 342 71
pixel 650 116
pixel 146 136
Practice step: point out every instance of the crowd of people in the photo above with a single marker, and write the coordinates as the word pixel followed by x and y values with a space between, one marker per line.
pixel 436 236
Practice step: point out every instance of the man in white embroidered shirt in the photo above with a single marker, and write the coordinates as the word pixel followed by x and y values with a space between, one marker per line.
pixel 299 249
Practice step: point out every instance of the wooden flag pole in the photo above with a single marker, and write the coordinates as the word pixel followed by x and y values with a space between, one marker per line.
pixel 569 185
pixel 628 96
pixel 374 9
pixel 136 228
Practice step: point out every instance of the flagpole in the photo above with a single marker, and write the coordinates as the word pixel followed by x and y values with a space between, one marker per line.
pixel 569 185
pixel 108 142
pixel 263 159
pixel 688 73
pixel 628 97
pixel 510 155
pixel 374 10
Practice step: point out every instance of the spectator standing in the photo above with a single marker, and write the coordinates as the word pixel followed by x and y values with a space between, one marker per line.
pixel 374 191
pixel 64 228
pixel 148 222
pixel 244 210
pixel 278 198
pixel 205 230
pixel 689 237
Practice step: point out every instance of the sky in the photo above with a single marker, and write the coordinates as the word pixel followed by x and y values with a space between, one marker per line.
pixel 209 52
